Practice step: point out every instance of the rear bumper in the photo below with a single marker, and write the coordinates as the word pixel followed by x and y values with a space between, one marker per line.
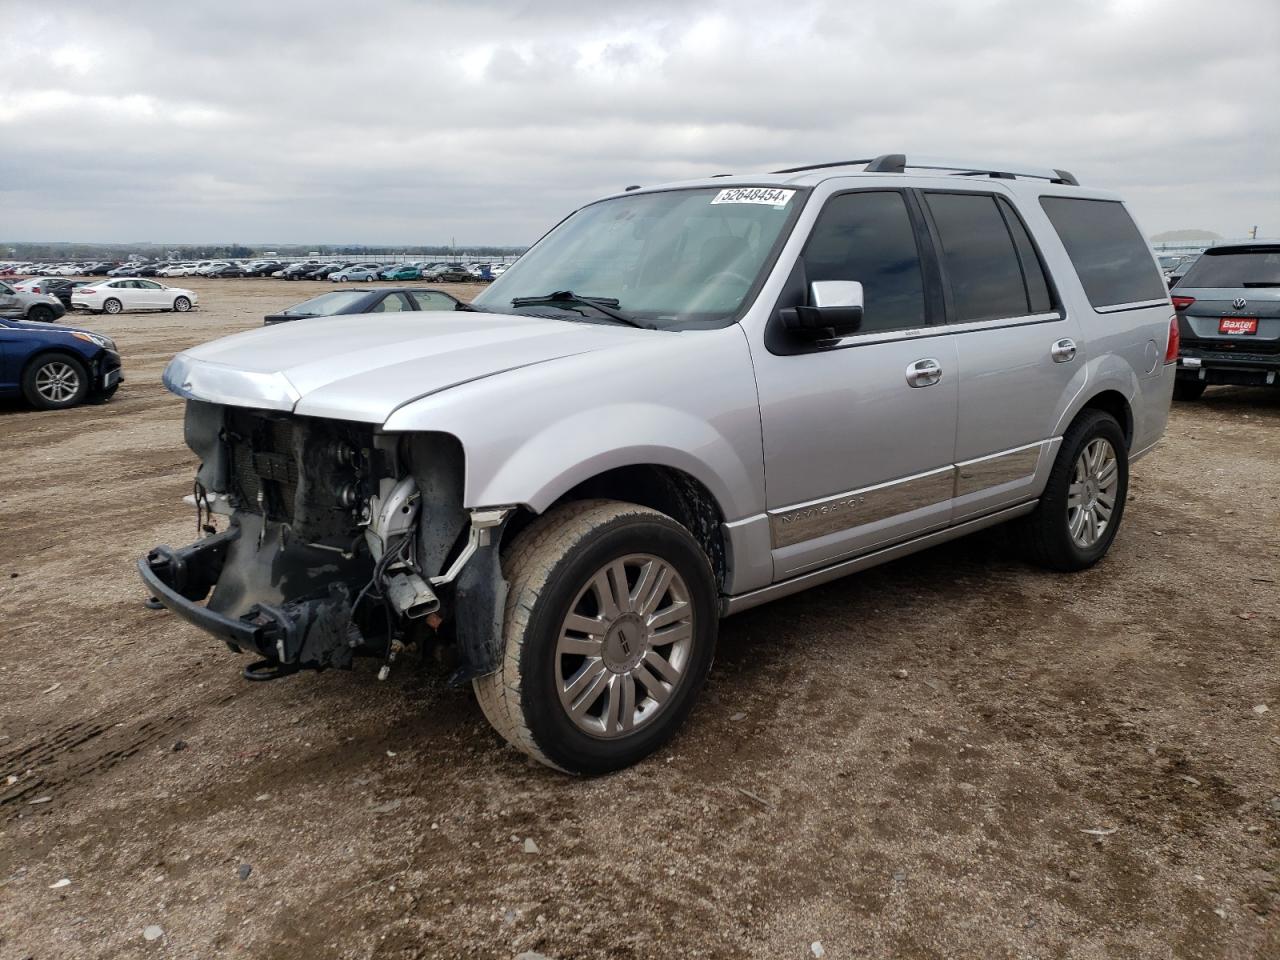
pixel 1237 367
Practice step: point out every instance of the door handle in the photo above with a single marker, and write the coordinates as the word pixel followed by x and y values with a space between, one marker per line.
pixel 924 373
pixel 1063 351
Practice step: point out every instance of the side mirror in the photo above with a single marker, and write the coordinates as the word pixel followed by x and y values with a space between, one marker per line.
pixel 834 310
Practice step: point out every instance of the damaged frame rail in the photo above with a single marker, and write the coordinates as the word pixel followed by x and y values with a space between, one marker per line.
pixel 320 630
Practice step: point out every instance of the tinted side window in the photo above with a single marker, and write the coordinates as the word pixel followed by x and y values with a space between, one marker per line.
pixel 433 301
pixel 392 303
pixel 1108 252
pixel 868 237
pixel 982 264
pixel 1039 299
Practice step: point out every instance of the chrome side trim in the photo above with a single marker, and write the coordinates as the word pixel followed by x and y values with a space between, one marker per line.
pixel 973 476
pixel 1139 454
pixel 745 601
pixel 938 330
pixel 845 511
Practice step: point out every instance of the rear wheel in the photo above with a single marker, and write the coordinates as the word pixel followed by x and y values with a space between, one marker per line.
pixel 40 313
pixel 112 306
pixel 609 632
pixel 1083 502
pixel 55 381
pixel 1188 389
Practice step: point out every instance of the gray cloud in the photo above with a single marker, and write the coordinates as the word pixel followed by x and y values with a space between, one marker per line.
pixel 415 122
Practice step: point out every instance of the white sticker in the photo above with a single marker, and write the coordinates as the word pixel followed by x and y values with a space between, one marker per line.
pixel 770 196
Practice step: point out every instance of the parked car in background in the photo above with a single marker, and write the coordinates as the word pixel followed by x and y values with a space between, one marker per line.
pixel 324 270
pixel 59 287
pixel 55 366
pixel 132 293
pixel 296 271
pixel 449 273
pixel 226 271
pixel 177 270
pixel 1228 306
pixel 204 266
pixel 36 307
pixel 401 271
pixel 378 300
pixel 261 268
pixel 365 272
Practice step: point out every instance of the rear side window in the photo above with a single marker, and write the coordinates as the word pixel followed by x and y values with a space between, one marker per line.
pixel 868 237
pixel 983 264
pixel 1255 267
pixel 1111 257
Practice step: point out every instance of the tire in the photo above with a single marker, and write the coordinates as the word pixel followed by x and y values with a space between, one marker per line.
pixel 368 279
pixel 55 381
pixel 40 314
pixel 552 568
pixel 181 304
pixel 112 306
pixel 1069 502
pixel 1188 389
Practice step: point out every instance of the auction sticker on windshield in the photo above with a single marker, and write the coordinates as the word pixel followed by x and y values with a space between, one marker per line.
pixel 771 196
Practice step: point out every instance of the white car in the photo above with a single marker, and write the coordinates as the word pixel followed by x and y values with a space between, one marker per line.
pixel 177 270
pixel 34 284
pixel 132 293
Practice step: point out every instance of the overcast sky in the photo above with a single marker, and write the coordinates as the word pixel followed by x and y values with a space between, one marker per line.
pixel 486 121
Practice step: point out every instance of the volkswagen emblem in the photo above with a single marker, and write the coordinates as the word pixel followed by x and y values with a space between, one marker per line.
pixel 1239 303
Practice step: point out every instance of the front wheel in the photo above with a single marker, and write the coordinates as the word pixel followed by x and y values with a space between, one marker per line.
pixel 609 632
pixel 1083 501
pixel 55 381
pixel 182 304
pixel 1188 389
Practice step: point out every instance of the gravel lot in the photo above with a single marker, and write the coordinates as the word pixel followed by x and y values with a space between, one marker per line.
pixel 952 756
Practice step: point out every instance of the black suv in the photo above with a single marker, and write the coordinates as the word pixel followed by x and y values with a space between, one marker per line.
pixel 1228 307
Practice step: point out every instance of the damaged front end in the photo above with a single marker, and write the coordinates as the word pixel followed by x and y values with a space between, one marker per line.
pixel 340 541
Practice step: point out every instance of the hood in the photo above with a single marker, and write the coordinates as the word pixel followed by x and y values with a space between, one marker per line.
pixel 364 366
pixel 36 326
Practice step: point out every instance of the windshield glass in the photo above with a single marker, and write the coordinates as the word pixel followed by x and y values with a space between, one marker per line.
pixel 1237 268
pixel 675 258
pixel 326 304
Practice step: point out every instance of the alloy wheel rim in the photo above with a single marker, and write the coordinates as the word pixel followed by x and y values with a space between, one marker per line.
pixel 623 650
pixel 1091 495
pixel 57 382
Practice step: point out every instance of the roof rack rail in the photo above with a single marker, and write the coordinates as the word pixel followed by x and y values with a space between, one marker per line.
pixel 898 163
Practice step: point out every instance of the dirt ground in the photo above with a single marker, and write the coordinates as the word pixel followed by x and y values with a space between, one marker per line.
pixel 1073 766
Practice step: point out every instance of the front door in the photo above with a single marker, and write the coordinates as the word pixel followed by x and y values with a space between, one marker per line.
pixel 859 435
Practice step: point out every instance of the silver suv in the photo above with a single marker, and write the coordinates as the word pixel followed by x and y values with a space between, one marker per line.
pixel 683 401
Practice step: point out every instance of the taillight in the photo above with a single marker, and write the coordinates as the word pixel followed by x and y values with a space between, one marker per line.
pixel 88 290
pixel 1175 339
pixel 1181 303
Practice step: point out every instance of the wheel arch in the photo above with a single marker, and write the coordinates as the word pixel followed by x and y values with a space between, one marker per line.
pixel 1116 404
pixel 45 352
pixel 669 490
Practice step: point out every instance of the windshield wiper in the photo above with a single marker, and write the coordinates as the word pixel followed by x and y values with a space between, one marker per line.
pixel 605 305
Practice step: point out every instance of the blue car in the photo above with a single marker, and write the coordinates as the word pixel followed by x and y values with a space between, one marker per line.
pixel 54 366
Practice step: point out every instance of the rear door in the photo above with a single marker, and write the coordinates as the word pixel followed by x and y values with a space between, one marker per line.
pixel 1019 356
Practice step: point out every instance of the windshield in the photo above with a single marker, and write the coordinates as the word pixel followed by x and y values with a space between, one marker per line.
pixel 675 258
pixel 325 305
pixel 1236 268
